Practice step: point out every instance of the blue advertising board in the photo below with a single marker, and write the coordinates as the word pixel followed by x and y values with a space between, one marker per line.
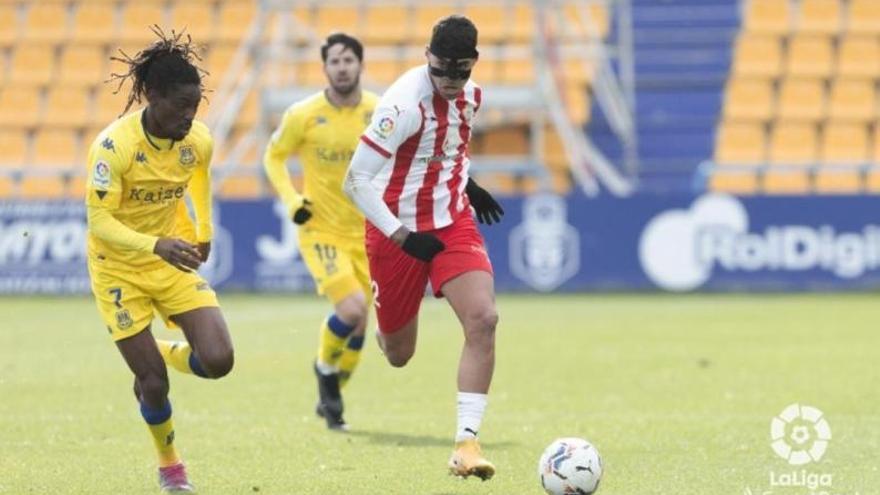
pixel 545 243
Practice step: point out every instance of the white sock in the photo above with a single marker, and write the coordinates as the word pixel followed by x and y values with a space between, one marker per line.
pixel 326 369
pixel 470 414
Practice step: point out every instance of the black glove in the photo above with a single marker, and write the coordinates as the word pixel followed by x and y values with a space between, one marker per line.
pixel 302 214
pixel 422 246
pixel 484 204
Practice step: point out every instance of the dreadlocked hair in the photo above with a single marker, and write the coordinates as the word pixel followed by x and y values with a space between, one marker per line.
pixel 168 61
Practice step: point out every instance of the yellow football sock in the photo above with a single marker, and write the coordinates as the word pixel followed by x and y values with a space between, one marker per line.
pixel 162 429
pixel 350 358
pixel 179 355
pixel 331 340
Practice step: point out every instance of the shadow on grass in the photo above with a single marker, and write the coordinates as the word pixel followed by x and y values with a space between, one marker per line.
pixel 406 440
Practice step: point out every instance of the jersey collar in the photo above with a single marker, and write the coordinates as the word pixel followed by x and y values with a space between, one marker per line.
pixel 155 142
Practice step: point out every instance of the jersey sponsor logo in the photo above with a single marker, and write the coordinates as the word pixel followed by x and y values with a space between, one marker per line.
pixel 157 195
pixel 107 144
pixel 187 157
pixel 123 319
pixel 334 155
pixel 101 177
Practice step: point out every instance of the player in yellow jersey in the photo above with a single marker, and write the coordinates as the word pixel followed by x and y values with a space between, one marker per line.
pixel 140 168
pixel 323 131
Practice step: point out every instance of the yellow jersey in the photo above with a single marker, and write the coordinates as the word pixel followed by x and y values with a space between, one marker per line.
pixel 135 191
pixel 324 137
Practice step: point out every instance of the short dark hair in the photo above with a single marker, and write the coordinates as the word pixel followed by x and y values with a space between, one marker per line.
pixel 454 37
pixel 349 42
pixel 167 62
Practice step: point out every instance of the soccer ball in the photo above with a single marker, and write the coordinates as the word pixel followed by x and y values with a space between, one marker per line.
pixel 570 466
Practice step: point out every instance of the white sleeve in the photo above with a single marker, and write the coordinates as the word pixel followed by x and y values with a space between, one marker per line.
pixel 365 164
pixel 390 126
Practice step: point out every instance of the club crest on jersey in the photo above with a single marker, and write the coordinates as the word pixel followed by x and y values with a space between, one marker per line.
pixel 187 157
pixel 384 128
pixel 123 319
pixel 101 177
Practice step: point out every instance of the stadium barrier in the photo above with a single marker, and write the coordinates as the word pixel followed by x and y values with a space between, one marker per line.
pixel 711 242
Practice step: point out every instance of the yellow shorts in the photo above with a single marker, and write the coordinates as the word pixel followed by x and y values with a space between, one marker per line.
pixel 127 300
pixel 338 266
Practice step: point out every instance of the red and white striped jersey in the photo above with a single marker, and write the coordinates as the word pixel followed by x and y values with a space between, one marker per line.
pixel 424 138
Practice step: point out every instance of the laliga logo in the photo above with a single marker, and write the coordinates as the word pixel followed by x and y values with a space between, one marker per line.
pixel 800 434
pixel 679 248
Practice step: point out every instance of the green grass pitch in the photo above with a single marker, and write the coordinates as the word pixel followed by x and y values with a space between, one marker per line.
pixel 677 393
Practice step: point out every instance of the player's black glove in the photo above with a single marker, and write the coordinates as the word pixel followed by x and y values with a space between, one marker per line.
pixel 484 204
pixel 422 246
pixel 303 213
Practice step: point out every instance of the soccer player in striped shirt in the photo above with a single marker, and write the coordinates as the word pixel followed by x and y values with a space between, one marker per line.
pixel 409 175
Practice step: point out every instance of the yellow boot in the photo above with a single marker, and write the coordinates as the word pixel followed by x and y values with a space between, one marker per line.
pixel 467 460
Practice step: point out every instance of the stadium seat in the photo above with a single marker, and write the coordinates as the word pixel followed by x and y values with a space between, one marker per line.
pixel 740 143
pixel 382 72
pixel 809 56
pixel 819 17
pixel 10 26
pixel 793 144
pixel 872 181
pixel 67 107
pixel 875 148
pixel 512 140
pixel 864 17
pixel 13 148
pixel 786 181
pixel 522 24
pixel 748 99
pixel 738 181
pixel 845 143
pixel 249 111
pixel 757 56
pixel 19 107
pixel 55 149
pixel 491 19
pixel 853 100
pixel 838 180
pixel 554 150
pixel 768 16
pixel 217 62
pixel 591 21
pixel 137 19
pixel 82 65
pixel 196 17
pixel 94 22
pixel 426 16
pixel 517 70
pixel 32 65
pixel 577 103
pixel 859 56
pixel 46 23
pixel 234 20
pixel 76 187
pixel 387 24
pixel 331 19
pixel 41 187
pixel 108 106
pixel 802 100
pixel 248 186
pixel 498 183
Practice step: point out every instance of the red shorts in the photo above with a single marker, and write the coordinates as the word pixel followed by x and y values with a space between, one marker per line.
pixel 399 280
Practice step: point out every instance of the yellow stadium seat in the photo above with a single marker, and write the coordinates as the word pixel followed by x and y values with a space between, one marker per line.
pixel 334 19
pixel 497 183
pixel 76 187
pixel 786 181
pixel 517 70
pixel 67 107
pixel 838 180
pixel 32 65
pixel 740 143
pixel 47 23
pixel 748 99
pixel 137 19
pixel 234 21
pixel 241 187
pixel 577 103
pixel 560 182
pixel 875 149
pixel 793 144
pixel 10 26
pixel 491 21
pixel 55 149
pixel 311 73
pixel 739 182
pixel 41 187
pixel 426 17
pixel 859 56
pixel 522 26
pixel 249 112
pixel 768 16
pixel 590 21
pixel 93 22
pixel 554 150
pixel 108 106
pixel 217 62
pixel 387 24
pixel 382 72
pixel 197 18
pixel 853 100
pixel 13 148
pixel 19 107
pixel 809 56
pixel 872 181
pixel 82 65
pixel 819 17
pixel 512 140
pixel 845 143
pixel 864 17
pixel 7 188
pixel 801 99
pixel 757 56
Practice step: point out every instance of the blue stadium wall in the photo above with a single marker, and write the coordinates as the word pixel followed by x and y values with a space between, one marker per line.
pixel 680 243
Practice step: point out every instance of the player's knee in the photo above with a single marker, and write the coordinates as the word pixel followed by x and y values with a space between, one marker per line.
pixel 153 388
pixel 398 359
pixel 481 325
pixel 218 363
